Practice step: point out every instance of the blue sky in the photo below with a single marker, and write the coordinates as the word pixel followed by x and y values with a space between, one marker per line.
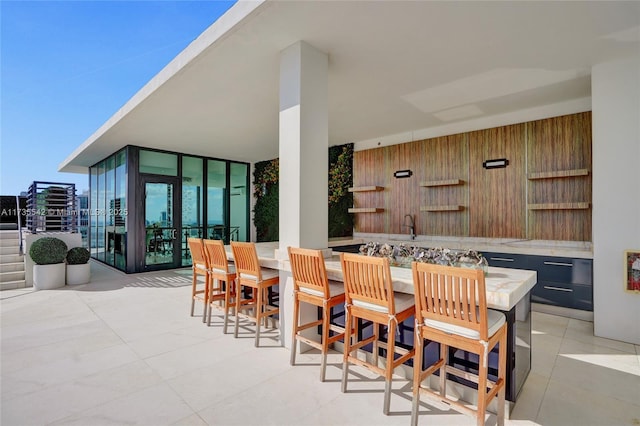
pixel 66 67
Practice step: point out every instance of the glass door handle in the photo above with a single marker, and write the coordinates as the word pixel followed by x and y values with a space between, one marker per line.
pixel 174 233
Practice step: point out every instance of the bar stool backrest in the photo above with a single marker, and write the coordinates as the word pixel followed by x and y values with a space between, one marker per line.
pixel 309 271
pixel 451 295
pixel 214 250
pixel 245 258
pixel 367 282
pixel 197 253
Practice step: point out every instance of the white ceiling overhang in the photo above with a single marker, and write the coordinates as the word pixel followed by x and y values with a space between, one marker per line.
pixel 394 67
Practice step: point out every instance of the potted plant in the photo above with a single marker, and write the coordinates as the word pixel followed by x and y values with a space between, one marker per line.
pixel 48 254
pixel 78 268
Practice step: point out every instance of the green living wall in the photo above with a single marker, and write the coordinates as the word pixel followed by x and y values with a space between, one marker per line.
pixel 265 190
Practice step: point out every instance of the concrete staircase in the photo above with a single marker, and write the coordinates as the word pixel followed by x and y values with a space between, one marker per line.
pixel 11 261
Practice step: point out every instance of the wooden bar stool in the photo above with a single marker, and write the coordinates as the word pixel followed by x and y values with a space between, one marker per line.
pixel 250 274
pixel 222 277
pixel 369 295
pixel 312 286
pixel 451 309
pixel 200 267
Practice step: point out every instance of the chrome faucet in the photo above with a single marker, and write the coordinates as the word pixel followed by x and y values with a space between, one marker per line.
pixel 411 225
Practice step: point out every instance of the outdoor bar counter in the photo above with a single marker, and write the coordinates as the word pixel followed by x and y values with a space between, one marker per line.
pixel 508 290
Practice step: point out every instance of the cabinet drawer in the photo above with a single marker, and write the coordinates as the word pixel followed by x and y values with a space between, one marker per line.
pixel 506 260
pixel 563 269
pixel 555 269
pixel 553 293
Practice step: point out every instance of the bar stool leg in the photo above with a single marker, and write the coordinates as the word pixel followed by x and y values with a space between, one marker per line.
pixel 238 303
pixel 258 315
pixel 417 374
pixel 326 318
pixel 294 340
pixel 347 349
pixel 444 355
pixel 391 343
pixel 502 357
pixel 482 390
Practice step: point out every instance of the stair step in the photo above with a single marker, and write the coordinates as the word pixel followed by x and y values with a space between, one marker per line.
pixel 11 276
pixel 11 258
pixel 9 235
pixel 12 267
pixel 10 250
pixel 10 285
pixel 9 242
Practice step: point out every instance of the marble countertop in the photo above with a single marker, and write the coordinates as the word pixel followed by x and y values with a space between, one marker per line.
pixel 579 249
pixel 505 287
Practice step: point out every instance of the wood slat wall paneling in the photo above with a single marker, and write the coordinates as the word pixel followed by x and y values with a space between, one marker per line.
pixel 404 194
pixel 367 172
pixel 559 164
pixel 544 192
pixel 497 207
pixel 444 159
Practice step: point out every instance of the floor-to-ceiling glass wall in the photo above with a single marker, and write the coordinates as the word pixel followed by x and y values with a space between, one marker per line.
pixel 238 202
pixel 217 200
pixel 192 206
pixel 100 212
pixel 110 196
pixel 120 212
pixel 144 204
pixel 108 210
pixel 93 202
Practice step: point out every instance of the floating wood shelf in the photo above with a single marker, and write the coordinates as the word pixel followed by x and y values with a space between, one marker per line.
pixel 365 210
pixel 559 206
pixel 447 182
pixel 559 174
pixel 366 188
pixel 441 208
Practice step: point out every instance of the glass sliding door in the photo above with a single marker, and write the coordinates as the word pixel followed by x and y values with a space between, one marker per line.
pixel 162 242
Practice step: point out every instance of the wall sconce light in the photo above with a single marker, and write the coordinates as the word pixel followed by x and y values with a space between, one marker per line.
pixel 403 173
pixel 495 164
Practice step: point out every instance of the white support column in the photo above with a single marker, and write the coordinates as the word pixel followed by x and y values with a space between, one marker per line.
pixel 303 156
pixel 304 147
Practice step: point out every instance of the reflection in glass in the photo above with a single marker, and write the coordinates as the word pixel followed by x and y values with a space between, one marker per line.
pixel 238 202
pixel 158 163
pixel 192 193
pixel 160 231
pixel 93 203
pixel 120 211
pixel 100 216
pixel 216 185
pixel 110 181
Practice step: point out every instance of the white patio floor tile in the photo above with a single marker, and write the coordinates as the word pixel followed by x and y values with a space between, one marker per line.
pixel 155 405
pixel 566 405
pixel 124 350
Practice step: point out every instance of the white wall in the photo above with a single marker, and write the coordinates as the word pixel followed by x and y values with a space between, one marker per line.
pixel 615 92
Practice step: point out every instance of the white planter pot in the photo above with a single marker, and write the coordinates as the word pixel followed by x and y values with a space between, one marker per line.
pixel 78 274
pixel 47 277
